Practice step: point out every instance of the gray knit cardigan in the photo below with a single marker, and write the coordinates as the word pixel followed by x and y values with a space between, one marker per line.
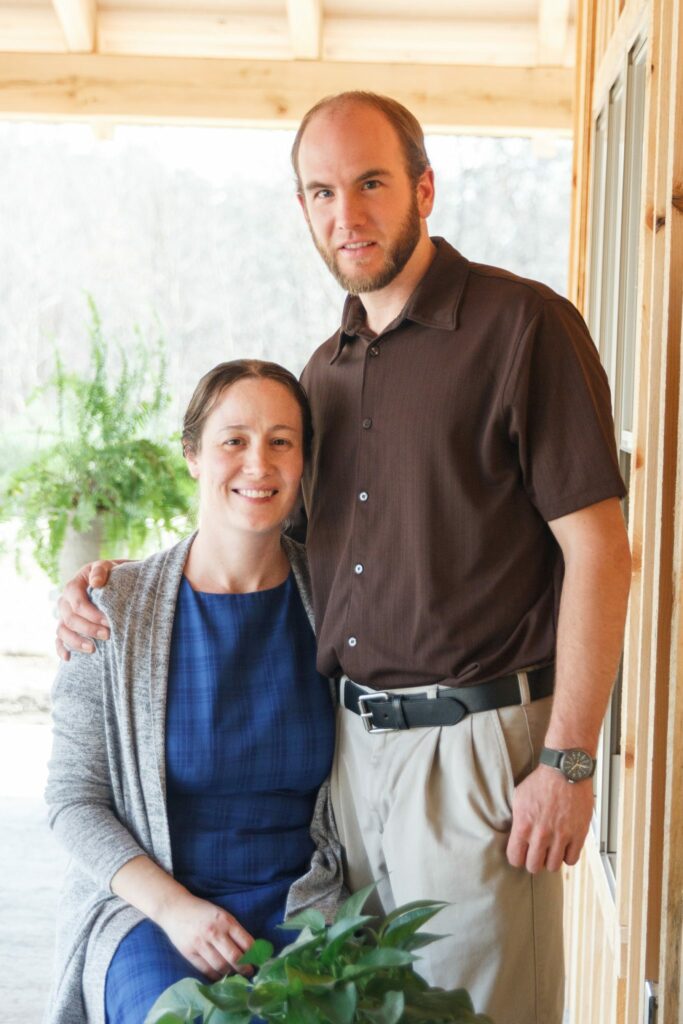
pixel 106 788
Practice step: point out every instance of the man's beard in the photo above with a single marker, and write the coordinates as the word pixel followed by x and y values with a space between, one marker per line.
pixel 397 255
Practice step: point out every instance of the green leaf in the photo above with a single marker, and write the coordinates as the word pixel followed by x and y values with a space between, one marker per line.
pixel 184 999
pixel 167 1018
pixel 309 980
pixel 228 993
pixel 404 979
pixel 257 954
pixel 353 906
pixel 338 1006
pixel 305 940
pixel 338 933
pixel 454 1006
pixel 378 958
pixel 272 971
pixel 301 1011
pixel 419 940
pixel 390 1012
pixel 269 997
pixel 311 918
pixel 405 920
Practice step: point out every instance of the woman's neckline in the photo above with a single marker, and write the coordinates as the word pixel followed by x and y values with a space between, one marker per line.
pixel 238 593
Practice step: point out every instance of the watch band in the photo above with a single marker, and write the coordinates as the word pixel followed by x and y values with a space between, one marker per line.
pixel 552 758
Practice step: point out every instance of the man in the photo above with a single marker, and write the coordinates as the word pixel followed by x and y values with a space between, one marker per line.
pixel 466 542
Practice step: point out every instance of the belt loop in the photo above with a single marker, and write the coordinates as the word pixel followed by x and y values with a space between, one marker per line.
pixel 524 695
pixel 341 686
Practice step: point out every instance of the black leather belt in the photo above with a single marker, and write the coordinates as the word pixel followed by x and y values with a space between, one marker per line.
pixel 384 711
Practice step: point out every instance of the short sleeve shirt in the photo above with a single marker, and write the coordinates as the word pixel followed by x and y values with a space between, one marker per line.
pixel 443 447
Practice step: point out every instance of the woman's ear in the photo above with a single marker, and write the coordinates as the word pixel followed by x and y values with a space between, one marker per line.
pixel 192 463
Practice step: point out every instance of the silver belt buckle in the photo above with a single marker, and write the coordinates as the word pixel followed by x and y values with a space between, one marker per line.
pixel 366 716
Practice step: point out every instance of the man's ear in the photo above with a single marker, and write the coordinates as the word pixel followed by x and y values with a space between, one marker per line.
pixel 425 193
pixel 301 198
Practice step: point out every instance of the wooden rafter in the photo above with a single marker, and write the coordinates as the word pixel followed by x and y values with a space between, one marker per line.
pixel 494 99
pixel 78 21
pixel 292 29
pixel 553 31
pixel 305 27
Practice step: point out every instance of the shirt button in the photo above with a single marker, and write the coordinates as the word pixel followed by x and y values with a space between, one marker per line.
pixel 374 350
pixel 352 641
pixel 367 423
pixel 363 496
pixel 358 569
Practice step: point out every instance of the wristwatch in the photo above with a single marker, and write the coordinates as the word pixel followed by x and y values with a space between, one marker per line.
pixel 576 765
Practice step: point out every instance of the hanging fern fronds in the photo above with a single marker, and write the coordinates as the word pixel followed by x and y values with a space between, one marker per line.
pixel 109 455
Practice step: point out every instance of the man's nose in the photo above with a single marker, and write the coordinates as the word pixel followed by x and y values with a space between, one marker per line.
pixel 350 212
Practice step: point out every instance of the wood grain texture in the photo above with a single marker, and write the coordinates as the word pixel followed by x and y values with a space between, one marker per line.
pixel 278 92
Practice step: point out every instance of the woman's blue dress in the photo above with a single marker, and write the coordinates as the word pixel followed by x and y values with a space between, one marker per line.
pixel 249 739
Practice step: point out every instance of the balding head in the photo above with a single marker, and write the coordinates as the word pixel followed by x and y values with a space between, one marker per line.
pixel 405 124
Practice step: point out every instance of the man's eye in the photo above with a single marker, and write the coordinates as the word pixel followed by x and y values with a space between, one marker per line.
pixel 323 193
pixel 372 183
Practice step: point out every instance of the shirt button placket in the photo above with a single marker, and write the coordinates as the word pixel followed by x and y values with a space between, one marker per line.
pixel 363 496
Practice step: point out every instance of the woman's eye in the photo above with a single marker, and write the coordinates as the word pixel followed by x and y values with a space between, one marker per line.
pixel 281 442
pixel 233 442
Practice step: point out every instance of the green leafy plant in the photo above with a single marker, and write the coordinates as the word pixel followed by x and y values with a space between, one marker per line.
pixel 107 456
pixel 358 970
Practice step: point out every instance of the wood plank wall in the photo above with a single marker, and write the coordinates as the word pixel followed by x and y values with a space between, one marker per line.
pixel 617 942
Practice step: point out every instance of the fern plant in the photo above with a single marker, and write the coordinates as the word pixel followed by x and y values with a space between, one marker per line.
pixel 358 970
pixel 107 456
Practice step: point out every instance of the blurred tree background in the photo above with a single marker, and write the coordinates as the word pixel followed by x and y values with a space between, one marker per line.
pixel 194 234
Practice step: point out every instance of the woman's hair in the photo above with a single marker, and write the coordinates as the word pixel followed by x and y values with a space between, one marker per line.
pixel 404 123
pixel 216 381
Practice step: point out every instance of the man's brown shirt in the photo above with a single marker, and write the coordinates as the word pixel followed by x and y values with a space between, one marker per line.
pixel 442 448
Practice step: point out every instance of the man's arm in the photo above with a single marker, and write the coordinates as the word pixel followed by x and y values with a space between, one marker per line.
pixel 551 816
pixel 80 622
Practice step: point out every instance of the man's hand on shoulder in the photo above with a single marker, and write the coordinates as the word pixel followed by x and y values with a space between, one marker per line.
pixel 80 622
pixel 550 820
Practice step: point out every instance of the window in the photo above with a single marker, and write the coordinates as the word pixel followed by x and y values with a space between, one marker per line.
pixel 616 191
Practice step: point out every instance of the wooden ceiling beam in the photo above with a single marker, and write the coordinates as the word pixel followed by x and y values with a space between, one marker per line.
pixel 431 40
pixel 278 93
pixel 553 31
pixel 35 29
pixel 298 30
pixel 78 19
pixel 193 33
pixel 305 18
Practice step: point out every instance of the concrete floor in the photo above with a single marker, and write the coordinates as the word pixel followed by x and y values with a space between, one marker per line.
pixel 31 862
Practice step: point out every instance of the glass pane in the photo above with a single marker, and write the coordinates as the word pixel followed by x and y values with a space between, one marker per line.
pixel 628 292
pixel 610 264
pixel 597 225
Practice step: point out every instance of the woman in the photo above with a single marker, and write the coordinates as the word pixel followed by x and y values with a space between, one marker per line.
pixel 189 750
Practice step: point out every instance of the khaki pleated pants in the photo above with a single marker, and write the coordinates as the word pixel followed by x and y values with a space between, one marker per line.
pixel 428 813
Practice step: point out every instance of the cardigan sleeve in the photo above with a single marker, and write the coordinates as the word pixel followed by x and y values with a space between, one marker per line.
pixel 79 789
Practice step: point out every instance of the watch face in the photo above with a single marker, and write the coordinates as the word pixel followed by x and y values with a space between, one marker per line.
pixel 577 765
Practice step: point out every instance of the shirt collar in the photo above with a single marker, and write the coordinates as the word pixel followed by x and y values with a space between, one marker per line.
pixel 434 303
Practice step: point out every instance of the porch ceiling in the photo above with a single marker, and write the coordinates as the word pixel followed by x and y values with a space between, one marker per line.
pixel 504 65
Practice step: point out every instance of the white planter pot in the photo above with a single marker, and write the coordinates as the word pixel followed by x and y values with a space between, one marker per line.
pixel 78 549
